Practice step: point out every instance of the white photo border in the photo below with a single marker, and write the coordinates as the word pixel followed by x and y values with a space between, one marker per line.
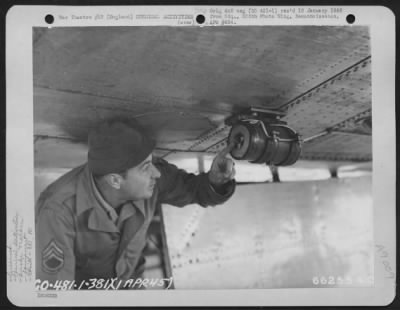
pixel 20 169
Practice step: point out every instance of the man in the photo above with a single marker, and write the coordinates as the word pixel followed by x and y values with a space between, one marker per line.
pixel 92 222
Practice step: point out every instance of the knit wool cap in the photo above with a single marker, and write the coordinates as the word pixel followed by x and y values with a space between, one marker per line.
pixel 116 146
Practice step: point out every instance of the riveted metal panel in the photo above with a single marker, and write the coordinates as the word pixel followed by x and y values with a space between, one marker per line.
pixel 260 66
pixel 333 102
pixel 339 146
pixel 275 236
pixel 181 83
pixel 77 113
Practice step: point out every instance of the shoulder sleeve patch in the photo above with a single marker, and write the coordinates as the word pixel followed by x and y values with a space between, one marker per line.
pixel 52 257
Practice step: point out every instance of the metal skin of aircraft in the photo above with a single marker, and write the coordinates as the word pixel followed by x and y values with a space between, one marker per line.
pixel 182 84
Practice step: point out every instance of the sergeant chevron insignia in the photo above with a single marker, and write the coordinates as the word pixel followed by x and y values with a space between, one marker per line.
pixel 52 257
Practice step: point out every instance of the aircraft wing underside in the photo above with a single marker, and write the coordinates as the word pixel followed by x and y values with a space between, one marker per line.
pixel 182 83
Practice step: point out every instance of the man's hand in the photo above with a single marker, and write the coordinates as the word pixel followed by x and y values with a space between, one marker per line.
pixel 222 168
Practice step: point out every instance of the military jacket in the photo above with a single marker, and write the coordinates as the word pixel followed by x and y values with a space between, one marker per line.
pixel 77 240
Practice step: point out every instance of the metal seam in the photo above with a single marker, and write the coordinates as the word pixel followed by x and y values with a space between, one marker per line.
pixel 353 68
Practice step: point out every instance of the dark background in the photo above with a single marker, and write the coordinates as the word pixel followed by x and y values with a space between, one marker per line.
pixel 6 4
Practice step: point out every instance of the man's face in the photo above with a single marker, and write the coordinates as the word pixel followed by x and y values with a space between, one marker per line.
pixel 140 181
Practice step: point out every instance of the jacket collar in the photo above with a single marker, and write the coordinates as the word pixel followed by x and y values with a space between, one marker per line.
pixel 98 218
pixel 86 200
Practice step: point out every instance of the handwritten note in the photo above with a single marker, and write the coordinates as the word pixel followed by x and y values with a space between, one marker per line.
pixel 383 255
pixel 19 250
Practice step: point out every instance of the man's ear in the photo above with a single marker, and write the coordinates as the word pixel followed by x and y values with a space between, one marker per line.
pixel 114 180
